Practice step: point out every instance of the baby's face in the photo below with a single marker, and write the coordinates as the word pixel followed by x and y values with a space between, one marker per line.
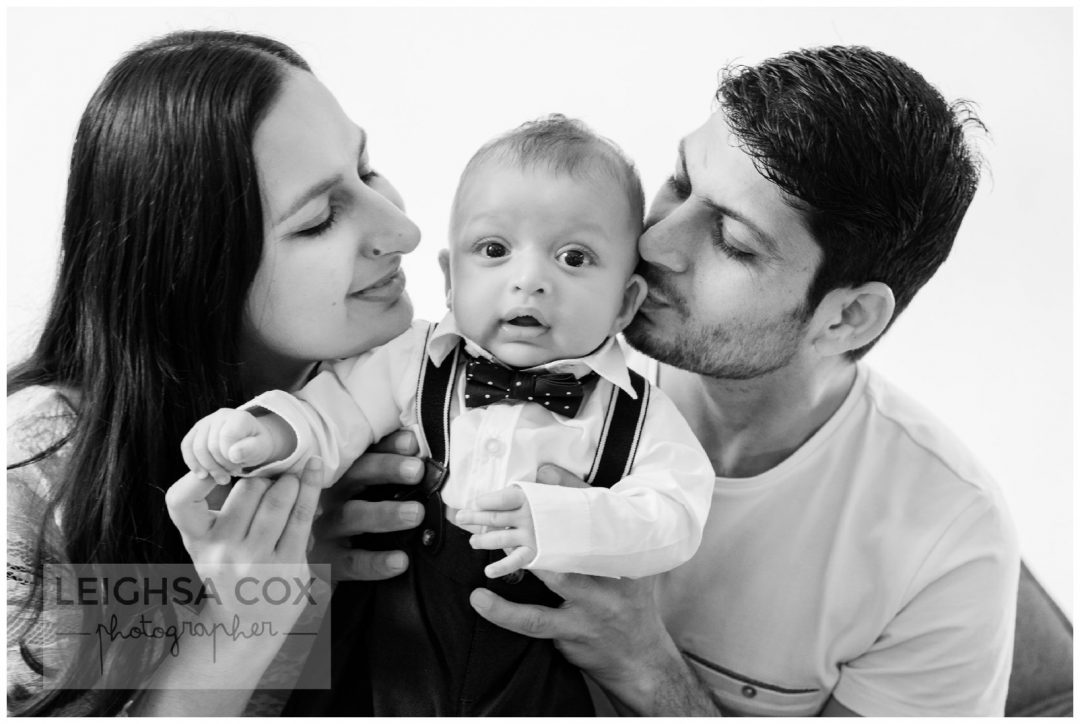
pixel 541 263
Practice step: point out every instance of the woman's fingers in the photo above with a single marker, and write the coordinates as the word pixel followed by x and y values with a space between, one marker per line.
pixel 297 531
pixel 363 516
pixel 402 442
pixel 186 501
pixel 272 513
pixel 239 508
pixel 359 565
pixel 378 468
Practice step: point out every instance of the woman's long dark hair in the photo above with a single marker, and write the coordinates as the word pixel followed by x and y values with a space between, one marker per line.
pixel 162 236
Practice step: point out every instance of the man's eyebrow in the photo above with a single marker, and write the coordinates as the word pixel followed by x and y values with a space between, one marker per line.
pixel 767 241
pixel 325 185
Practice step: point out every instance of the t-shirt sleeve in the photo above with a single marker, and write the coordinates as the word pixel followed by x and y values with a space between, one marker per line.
pixel 948 650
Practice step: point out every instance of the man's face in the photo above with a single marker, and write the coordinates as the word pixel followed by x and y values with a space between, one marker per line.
pixel 728 263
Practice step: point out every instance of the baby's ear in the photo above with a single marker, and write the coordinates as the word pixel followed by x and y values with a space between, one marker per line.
pixel 444 264
pixel 633 297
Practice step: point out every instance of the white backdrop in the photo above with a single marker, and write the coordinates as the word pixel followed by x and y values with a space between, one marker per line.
pixel 987 344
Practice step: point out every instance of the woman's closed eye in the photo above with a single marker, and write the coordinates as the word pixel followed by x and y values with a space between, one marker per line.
pixel 321 227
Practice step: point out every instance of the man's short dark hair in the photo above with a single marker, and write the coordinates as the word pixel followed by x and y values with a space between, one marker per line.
pixel 869 151
pixel 565 146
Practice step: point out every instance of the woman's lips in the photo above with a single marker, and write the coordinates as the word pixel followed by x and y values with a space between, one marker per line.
pixel 386 289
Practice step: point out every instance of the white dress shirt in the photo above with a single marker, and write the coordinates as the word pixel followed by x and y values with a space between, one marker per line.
pixel 650 521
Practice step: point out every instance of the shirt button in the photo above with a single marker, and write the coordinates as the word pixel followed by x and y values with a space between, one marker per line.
pixel 427 537
pixel 749 692
pixel 494 447
pixel 514 577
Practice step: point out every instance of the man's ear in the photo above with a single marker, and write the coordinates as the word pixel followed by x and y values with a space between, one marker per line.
pixel 847 319
pixel 444 264
pixel 633 296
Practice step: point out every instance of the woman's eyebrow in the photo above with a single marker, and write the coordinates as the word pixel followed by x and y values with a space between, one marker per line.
pixel 326 184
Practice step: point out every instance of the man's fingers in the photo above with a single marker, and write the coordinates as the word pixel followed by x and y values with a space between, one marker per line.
pixel 554 475
pixel 538 622
pixel 362 516
pixel 186 501
pixel 570 586
pixel 359 565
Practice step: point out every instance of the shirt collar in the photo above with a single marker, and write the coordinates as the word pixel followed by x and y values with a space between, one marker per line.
pixel 607 361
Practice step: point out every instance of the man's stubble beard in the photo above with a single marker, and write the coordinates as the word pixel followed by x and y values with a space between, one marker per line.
pixel 731 351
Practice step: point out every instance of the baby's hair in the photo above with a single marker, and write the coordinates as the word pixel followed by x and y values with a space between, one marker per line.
pixel 562 145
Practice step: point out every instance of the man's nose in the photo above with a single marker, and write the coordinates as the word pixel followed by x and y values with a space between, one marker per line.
pixel 666 243
pixel 388 230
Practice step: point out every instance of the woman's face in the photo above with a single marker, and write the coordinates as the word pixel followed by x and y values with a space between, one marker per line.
pixel 330 283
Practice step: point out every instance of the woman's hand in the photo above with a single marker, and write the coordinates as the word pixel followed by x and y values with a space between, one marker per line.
pixel 252 550
pixel 390 461
pixel 261 530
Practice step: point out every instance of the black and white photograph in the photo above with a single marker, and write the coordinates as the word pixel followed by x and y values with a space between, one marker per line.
pixel 512 360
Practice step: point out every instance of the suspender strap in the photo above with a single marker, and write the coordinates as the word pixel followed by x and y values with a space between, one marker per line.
pixel 434 393
pixel 614 455
pixel 622 432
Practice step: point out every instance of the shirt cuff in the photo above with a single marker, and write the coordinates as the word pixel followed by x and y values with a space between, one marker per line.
pixel 286 407
pixel 562 525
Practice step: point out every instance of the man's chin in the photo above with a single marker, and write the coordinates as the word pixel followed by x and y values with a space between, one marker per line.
pixel 641 336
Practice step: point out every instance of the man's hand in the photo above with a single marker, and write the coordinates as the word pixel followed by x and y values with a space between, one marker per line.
pixel 506 511
pixel 391 460
pixel 611 628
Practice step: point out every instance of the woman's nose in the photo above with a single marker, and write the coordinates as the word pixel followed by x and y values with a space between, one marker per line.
pixel 389 230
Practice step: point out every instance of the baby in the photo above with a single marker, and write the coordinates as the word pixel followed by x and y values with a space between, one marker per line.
pixel 543 247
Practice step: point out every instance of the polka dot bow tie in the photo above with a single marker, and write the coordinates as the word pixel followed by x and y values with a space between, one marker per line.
pixel 487 383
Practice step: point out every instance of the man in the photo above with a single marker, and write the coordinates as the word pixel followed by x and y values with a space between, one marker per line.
pixel 857 560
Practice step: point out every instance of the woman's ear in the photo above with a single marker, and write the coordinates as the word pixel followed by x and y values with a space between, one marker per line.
pixel 633 296
pixel 444 264
pixel 850 318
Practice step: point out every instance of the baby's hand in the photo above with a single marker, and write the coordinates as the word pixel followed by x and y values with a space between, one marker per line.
pixel 223 443
pixel 508 511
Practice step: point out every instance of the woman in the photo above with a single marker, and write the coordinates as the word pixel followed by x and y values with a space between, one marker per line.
pixel 223 231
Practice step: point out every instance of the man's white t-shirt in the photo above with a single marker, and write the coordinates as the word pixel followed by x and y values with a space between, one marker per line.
pixel 877 564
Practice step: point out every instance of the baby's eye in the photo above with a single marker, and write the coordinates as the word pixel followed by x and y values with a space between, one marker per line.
pixel 574 258
pixel 493 249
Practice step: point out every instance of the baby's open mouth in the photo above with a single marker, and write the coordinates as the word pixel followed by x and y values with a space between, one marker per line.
pixel 525 320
